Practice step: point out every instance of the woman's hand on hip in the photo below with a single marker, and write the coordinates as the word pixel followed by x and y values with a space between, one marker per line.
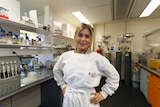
pixel 97 97
pixel 63 90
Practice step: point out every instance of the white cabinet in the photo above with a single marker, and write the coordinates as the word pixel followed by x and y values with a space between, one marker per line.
pixel 144 81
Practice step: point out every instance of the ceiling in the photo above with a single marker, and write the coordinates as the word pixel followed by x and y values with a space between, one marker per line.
pixel 96 11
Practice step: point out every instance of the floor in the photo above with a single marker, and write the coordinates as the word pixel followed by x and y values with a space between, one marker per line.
pixel 126 96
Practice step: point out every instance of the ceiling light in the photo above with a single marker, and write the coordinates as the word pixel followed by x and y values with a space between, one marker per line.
pixel 150 8
pixel 81 17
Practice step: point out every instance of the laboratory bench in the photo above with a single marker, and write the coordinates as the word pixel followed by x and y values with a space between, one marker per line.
pixel 40 82
pixel 150 70
pixel 150 84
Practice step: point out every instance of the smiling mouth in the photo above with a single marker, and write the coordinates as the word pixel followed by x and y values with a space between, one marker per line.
pixel 82 43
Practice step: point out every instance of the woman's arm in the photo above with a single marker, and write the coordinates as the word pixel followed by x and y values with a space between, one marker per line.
pixel 112 75
pixel 58 73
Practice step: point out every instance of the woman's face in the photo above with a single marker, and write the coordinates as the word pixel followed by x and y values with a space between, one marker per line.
pixel 83 40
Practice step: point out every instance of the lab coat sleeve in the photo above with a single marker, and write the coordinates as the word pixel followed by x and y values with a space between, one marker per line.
pixel 58 73
pixel 112 81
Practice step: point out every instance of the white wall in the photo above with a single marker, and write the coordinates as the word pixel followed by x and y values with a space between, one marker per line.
pixel 137 27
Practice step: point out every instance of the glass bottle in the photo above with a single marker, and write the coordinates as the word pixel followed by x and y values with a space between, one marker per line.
pixel 9 37
pixel 2 36
pixel 15 39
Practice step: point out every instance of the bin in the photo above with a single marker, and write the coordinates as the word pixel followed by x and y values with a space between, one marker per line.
pixel 136 78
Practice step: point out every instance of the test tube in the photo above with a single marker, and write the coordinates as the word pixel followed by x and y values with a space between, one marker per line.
pixel 12 68
pixel 15 68
pixel 7 70
pixel 3 69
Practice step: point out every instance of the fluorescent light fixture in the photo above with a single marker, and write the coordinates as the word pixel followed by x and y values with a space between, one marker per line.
pixel 150 8
pixel 81 17
pixel 155 44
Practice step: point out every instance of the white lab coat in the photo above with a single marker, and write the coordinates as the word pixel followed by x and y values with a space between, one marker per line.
pixel 80 73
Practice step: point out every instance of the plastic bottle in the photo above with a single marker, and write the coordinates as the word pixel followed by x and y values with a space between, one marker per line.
pixel 26 40
pixel 112 47
pixel 39 41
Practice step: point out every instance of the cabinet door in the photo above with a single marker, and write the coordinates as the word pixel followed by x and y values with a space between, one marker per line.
pixel 144 82
pixel 158 92
pixel 152 90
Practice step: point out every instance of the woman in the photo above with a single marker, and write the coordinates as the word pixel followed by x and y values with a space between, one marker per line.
pixel 78 71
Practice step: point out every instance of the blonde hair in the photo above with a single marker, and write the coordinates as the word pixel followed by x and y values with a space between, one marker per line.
pixel 84 26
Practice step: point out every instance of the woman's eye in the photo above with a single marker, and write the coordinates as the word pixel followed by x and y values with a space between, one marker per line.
pixel 85 35
pixel 80 35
